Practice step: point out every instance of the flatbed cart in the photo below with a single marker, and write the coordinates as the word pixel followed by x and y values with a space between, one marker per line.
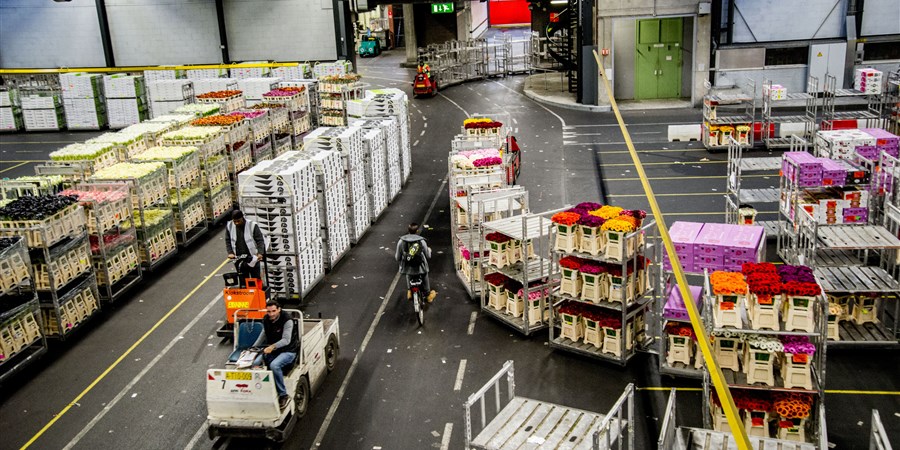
pixel 674 437
pixel 525 423
pixel 243 402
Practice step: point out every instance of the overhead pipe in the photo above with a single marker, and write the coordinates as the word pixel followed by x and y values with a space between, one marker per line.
pixel 105 38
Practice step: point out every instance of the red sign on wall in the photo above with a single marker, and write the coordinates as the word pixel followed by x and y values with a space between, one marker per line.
pixel 508 12
pixel 554 17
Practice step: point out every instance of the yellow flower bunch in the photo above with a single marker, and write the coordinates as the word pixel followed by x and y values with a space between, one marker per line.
pixel 617 224
pixel 479 120
pixel 607 212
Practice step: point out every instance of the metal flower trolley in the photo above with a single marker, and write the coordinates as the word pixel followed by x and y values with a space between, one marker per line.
pixel 601 308
pixel 114 244
pixel 471 210
pixel 774 369
pixel 518 250
pixel 64 277
pixel 519 422
pixel 22 339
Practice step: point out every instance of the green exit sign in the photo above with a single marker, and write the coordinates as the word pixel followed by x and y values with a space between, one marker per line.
pixel 441 8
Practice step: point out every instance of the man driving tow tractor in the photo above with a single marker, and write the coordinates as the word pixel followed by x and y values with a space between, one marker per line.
pixel 282 342
pixel 423 67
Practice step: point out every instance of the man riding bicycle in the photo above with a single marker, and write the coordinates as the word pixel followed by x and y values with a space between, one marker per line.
pixel 413 254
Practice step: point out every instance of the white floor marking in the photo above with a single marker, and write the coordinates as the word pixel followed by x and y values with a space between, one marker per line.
pixel 196 437
pixel 112 403
pixel 422 133
pixel 365 343
pixel 459 375
pixel 599 125
pixel 455 104
pixel 415 143
pixel 445 440
pixel 515 121
pixel 472 322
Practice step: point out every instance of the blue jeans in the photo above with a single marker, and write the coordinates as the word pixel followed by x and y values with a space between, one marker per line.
pixel 276 364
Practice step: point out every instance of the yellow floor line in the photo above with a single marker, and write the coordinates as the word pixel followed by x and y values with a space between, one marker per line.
pixel 700 194
pixel 122 357
pixel 15 166
pixel 698 177
pixel 827 391
pixel 671 163
pixel 667 150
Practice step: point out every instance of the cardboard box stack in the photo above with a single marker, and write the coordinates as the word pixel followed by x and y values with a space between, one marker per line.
pixel 126 99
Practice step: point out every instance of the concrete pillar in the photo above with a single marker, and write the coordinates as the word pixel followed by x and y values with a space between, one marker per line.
pixel 409 33
pixel 701 57
pixel 604 40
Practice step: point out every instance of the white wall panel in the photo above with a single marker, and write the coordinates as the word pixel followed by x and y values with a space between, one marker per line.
pixel 153 32
pixel 881 17
pixel 777 20
pixel 46 34
pixel 282 30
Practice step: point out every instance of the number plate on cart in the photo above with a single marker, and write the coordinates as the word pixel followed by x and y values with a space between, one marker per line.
pixel 243 376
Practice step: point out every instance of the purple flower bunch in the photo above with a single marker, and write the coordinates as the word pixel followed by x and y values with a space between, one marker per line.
pixel 588 206
pixel 800 274
pixel 590 220
pixel 798 345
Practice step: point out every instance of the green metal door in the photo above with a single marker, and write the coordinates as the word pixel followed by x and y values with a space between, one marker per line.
pixel 658 58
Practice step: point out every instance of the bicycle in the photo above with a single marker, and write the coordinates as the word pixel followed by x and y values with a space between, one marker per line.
pixel 416 295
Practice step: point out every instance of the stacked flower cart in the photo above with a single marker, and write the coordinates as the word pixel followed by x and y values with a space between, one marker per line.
pixel 768 329
pixel 22 339
pixel 59 253
pixel 603 303
pixel 113 239
pixel 519 274
pixel 186 194
pixel 699 247
pixel 153 216
pixel 854 255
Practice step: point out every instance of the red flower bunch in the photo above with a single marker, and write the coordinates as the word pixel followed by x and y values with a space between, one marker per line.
pixel 764 283
pixel 496 278
pixel 764 267
pixel 566 218
pixel 512 285
pixel 588 206
pixel 483 125
pixel 592 268
pixel 571 262
pixel 497 237
pixel 801 289
pixel 616 270
pixel 801 274
pixel 680 329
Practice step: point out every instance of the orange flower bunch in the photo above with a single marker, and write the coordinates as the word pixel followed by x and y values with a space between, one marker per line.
pixel 726 283
pixel 793 405
pixel 566 218
pixel 607 212
pixel 220 94
pixel 217 120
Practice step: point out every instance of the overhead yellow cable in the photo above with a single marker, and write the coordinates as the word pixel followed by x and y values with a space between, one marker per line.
pixel 731 413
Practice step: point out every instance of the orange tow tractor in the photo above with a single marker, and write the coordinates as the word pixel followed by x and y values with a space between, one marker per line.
pixel 250 298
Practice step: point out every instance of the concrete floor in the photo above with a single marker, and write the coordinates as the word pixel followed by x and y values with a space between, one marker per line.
pixel 396 380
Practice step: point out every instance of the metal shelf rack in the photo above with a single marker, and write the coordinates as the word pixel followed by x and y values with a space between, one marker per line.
pixel 871 115
pixel 771 120
pixel 736 196
pixel 635 310
pixel 714 418
pixel 114 243
pixel 535 270
pixel 729 110
pixel 22 339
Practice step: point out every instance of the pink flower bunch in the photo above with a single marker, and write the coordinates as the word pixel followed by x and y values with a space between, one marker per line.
pixel 487 162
